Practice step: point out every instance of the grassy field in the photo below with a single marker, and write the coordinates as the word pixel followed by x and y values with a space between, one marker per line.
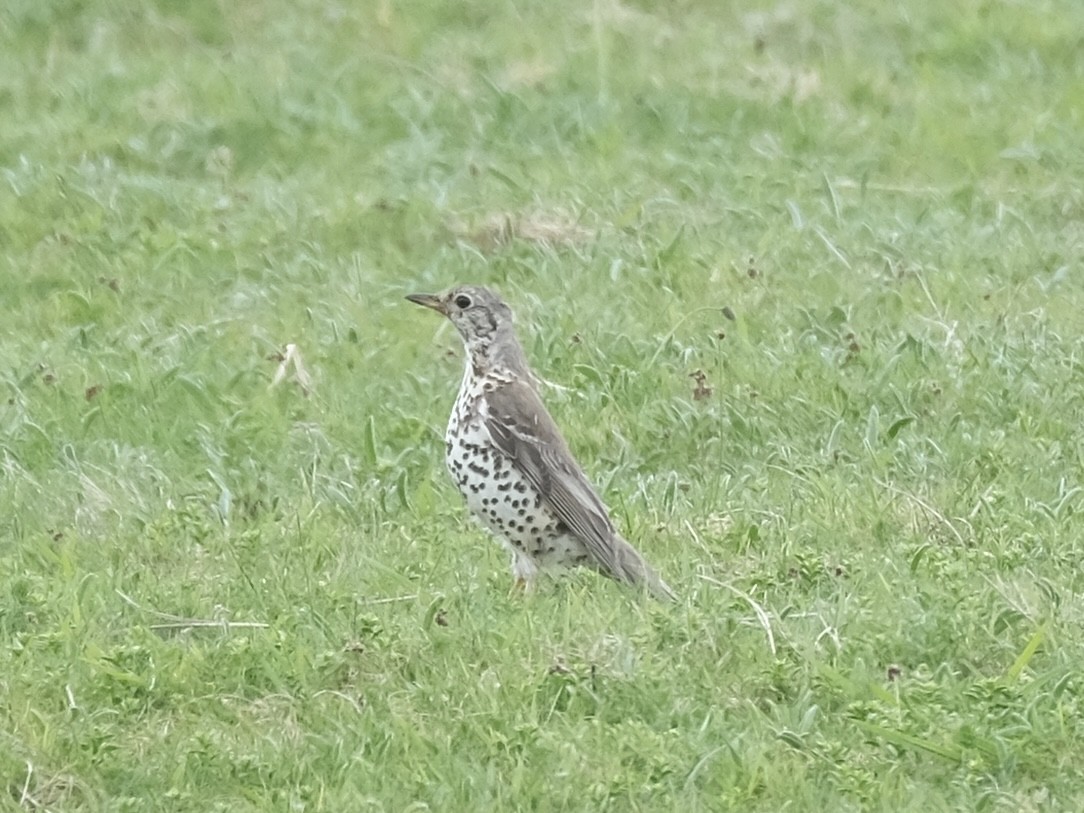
pixel 809 273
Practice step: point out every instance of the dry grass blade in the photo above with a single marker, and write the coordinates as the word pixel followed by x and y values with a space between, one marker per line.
pixel 291 358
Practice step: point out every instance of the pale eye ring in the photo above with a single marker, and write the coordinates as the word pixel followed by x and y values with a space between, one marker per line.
pixel 462 302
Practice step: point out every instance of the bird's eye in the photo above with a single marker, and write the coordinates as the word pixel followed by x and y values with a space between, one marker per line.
pixel 462 302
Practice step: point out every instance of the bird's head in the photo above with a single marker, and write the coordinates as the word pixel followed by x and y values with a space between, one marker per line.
pixel 482 319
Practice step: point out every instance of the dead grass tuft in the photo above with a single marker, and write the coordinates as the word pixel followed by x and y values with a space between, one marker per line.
pixel 501 229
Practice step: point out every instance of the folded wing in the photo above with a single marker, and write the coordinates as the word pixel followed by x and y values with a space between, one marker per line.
pixel 521 427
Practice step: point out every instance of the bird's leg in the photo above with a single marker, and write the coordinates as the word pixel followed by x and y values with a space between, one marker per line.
pixel 524 571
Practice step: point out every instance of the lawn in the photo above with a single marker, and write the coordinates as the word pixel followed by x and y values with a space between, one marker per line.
pixel 806 278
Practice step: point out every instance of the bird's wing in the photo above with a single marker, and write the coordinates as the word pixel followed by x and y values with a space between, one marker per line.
pixel 521 427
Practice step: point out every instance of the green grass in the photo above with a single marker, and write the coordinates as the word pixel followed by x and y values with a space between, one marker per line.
pixel 872 513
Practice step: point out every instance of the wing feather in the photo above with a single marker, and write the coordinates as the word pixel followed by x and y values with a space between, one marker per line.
pixel 522 428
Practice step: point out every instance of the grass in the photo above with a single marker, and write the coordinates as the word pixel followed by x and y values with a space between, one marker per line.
pixel 217 594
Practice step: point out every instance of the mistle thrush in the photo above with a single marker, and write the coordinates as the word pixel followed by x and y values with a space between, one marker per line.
pixel 510 461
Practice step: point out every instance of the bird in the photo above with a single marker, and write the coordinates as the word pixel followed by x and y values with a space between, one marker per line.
pixel 511 463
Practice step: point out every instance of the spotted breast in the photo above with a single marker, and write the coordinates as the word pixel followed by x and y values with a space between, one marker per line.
pixel 499 495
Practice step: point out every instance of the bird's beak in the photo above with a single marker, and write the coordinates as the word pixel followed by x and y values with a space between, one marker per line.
pixel 429 301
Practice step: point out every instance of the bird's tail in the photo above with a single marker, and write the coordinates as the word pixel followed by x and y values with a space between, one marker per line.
pixel 632 568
